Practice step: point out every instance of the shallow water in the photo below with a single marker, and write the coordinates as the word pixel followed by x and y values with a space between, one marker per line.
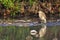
pixel 30 24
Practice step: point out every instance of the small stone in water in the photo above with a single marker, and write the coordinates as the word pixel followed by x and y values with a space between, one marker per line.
pixel 9 23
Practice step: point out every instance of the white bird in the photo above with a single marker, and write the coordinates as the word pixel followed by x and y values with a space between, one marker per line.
pixel 42 17
pixel 42 31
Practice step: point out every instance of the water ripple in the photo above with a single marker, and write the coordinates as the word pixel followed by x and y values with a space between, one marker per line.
pixel 30 24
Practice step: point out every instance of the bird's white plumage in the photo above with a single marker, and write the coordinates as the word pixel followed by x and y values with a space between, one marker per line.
pixel 42 32
pixel 42 17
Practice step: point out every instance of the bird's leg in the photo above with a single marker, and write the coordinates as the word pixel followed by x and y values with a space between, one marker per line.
pixel 43 22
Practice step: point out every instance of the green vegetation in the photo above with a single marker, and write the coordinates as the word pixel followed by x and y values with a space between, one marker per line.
pixel 14 8
pixel 20 33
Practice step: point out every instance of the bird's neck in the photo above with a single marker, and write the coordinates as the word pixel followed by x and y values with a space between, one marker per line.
pixel 45 26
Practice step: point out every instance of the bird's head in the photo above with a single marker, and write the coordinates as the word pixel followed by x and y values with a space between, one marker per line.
pixel 40 11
